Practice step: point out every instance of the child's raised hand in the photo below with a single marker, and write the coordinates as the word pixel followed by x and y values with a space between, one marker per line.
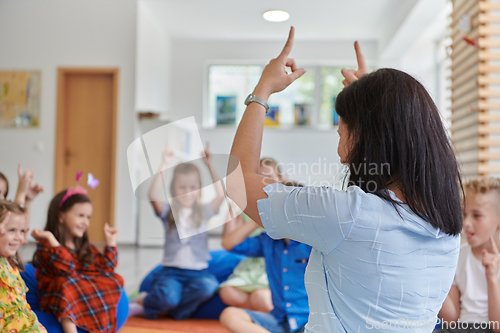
pixel 351 75
pixel 111 234
pixel 167 157
pixel 33 191
pixel 25 180
pixel 206 155
pixel 40 235
pixel 491 261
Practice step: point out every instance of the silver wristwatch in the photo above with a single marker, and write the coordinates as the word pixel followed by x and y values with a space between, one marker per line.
pixel 252 98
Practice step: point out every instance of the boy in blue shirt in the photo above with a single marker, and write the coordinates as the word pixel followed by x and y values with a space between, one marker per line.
pixel 286 262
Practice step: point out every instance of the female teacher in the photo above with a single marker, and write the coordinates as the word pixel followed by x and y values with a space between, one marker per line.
pixel 385 250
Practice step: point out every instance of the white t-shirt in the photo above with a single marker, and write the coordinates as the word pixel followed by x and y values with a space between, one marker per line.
pixel 470 278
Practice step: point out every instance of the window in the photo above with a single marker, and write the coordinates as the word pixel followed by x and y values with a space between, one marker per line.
pixel 331 85
pixel 309 101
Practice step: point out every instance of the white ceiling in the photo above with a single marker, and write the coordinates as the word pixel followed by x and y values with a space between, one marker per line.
pixel 313 19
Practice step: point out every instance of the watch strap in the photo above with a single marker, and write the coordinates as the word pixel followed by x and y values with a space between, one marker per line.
pixel 252 98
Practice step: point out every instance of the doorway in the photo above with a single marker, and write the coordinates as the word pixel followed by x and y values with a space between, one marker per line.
pixel 86 138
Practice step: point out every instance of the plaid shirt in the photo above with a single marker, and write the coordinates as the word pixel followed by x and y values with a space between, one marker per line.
pixel 88 294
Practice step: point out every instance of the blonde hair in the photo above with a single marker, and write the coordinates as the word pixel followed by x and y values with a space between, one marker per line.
pixel 196 216
pixel 482 186
pixel 15 208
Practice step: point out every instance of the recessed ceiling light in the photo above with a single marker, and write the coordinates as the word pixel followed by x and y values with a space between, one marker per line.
pixel 276 15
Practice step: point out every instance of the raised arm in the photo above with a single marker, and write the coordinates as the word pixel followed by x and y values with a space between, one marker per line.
pixel 53 258
pixel 248 138
pixel 239 235
pixel 26 190
pixel 24 182
pixel 156 190
pixel 219 191
pixel 109 260
pixel 490 262
pixel 232 224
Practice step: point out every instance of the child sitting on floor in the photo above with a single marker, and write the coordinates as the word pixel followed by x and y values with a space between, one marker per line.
pixel 15 313
pixel 184 282
pixel 286 262
pixel 248 286
pixel 473 303
pixel 76 282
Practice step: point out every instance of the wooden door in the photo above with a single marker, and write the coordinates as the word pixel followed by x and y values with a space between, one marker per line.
pixel 86 138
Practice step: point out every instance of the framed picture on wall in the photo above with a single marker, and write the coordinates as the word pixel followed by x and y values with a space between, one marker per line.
pixel 19 98
pixel 272 117
pixel 302 114
pixel 226 110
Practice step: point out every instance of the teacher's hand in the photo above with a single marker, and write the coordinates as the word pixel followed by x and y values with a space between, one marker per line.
pixel 351 75
pixel 275 78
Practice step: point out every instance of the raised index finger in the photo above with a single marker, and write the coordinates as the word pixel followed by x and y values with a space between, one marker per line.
pixel 360 57
pixel 289 43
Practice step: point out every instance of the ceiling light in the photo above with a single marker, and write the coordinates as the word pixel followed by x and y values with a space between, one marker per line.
pixel 276 15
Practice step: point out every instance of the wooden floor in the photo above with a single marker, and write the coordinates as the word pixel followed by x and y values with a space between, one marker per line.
pixel 141 325
pixel 143 330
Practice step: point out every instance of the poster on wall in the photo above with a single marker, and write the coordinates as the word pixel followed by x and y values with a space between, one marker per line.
pixel 272 117
pixel 226 110
pixel 19 99
pixel 302 114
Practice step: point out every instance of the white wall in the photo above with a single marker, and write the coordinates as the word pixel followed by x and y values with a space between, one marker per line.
pixel 153 61
pixel 413 47
pixel 45 35
pixel 426 61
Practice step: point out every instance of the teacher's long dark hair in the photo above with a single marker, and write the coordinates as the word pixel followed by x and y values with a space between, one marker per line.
pixel 399 140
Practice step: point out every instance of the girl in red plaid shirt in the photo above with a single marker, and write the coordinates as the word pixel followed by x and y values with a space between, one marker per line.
pixel 76 282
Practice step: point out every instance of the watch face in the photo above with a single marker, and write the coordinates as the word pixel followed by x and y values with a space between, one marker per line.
pixel 247 100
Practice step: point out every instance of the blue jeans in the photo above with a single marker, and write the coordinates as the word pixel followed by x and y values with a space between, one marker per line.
pixel 178 292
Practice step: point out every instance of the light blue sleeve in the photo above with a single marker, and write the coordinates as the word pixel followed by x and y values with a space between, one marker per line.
pixel 321 217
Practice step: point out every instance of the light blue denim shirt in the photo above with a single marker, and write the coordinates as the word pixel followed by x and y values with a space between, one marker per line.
pixel 370 268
